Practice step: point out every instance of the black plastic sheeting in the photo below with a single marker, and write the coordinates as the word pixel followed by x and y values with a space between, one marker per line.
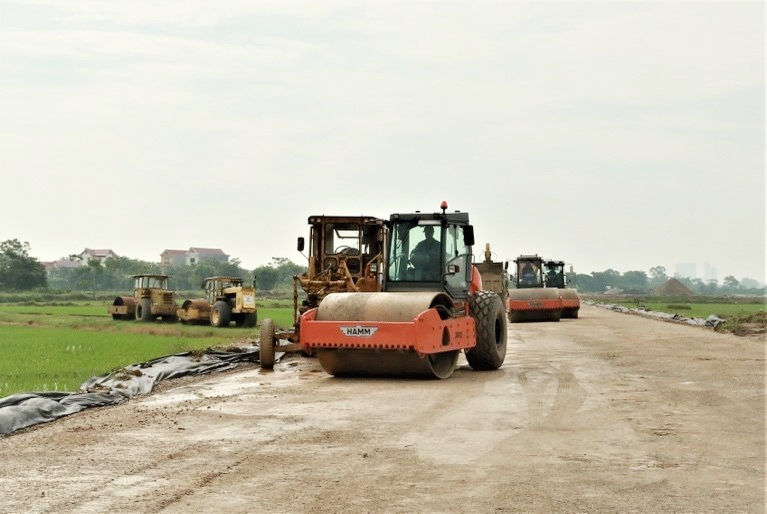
pixel 24 410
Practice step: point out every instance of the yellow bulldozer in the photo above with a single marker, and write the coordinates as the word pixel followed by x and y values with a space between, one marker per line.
pixel 227 300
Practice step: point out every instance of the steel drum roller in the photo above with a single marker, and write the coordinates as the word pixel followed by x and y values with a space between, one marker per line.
pixel 378 306
pixel 383 307
pixel 548 293
pixel 547 305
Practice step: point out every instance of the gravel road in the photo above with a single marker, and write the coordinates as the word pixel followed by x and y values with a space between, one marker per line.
pixel 607 413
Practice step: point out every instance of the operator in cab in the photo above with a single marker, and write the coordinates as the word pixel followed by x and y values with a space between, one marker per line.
pixel 425 257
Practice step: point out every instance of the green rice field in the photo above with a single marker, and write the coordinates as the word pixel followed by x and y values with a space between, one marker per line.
pixel 57 346
pixel 742 315
pixel 699 310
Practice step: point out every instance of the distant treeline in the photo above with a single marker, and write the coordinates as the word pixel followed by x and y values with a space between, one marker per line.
pixel 20 272
pixel 640 282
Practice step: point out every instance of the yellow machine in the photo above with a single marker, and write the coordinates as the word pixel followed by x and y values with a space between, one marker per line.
pixel 495 276
pixel 227 300
pixel 346 254
pixel 151 300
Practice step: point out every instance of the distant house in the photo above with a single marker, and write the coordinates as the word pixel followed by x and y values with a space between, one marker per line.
pixel 53 266
pixel 196 255
pixel 170 258
pixel 89 254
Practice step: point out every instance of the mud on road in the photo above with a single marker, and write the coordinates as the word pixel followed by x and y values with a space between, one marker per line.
pixel 609 412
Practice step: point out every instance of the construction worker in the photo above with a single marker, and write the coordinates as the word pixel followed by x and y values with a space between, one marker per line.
pixel 425 256
pixel 529 275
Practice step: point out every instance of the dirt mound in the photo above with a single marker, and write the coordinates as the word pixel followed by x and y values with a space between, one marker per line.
pixel 673 287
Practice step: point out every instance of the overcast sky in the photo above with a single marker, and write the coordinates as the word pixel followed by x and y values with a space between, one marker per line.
pixel 610 135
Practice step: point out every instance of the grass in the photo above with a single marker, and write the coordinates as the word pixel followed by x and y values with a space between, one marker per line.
pixel 57 308
pixel 742 315
pixel 702 310
pixel 59 359
pixel 56 346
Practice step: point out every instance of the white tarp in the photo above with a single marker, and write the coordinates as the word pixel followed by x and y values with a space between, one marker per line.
pixel 712 321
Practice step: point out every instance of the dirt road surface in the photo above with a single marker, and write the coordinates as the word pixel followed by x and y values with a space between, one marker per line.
pixel 607 413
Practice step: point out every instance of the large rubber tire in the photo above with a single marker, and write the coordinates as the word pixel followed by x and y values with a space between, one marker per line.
pixel 266 345
pixel 250 319
pixel 489 316
pixel 144 310
pixel 555 315
pixel 220 314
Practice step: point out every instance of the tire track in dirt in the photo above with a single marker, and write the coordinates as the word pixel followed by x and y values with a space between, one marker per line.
pixel 149 483
pixel 543 412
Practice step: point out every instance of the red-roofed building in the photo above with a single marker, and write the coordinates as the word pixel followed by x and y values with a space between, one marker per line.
pixel 170 258
pixel 89 254
pixel 196 255
pixel 52 266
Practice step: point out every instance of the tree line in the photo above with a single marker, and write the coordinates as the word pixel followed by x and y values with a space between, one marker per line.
pixel 20 272
pixel 640 282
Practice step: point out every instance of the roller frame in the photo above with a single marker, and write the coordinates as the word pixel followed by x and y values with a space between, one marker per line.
pixel 425 334
pixel 534 300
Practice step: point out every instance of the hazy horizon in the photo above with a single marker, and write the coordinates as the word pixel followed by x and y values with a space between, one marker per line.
pixel 620 135
pixel 478 254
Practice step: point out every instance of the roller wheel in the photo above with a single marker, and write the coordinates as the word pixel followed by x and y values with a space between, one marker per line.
pixel 556 315
pixel 368 363
pixel 489 316
pixel 144 310
pixel 220 314
pixel 249 320
pixel 570 313
pixel 266 344
pixel 443 364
